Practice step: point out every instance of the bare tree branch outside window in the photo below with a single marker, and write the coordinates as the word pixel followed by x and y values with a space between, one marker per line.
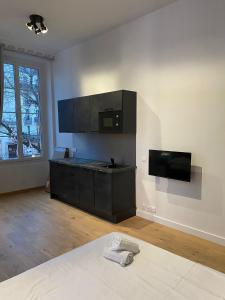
pixel 29 99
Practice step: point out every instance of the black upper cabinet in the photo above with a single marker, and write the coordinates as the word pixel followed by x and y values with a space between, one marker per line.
pixel 81 111
pixel 82 114
pixel 104 102
pixel 74 115
pixel 65 113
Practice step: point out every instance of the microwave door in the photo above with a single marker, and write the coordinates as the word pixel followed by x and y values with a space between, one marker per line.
pixel 107 122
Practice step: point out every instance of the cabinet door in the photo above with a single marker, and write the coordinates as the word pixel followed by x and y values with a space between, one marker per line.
pixel 104 102
pixel 81 110
pixel 86 188
pixel 71 185
pixel 65 114
pixel 55 178
pixel 63 182
pixel 103 192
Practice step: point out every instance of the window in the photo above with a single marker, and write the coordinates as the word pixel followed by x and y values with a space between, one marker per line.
pixel 20 135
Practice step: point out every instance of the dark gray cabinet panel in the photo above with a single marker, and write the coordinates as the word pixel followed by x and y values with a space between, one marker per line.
pixel 103 192
pixel 108 195
pixel 86 188
pixel 104 102
pixel 129 112
pixel 64 182
pixel 65 115
pixel 74 115
pixel 82 114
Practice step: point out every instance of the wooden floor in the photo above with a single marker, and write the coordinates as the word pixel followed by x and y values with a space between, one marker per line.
pixel 34 229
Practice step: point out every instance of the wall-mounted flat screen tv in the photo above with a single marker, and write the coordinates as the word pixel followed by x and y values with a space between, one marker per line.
pixel 170 164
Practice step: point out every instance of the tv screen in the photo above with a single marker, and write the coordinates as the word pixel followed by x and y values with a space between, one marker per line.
pixel 169 164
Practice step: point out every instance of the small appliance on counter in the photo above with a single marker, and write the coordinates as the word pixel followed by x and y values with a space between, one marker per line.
pixel 67 153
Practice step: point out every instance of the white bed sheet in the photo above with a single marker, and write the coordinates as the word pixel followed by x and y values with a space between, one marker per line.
pixel 83 274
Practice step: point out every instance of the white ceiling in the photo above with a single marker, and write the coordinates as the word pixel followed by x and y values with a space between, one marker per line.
pixel 69 21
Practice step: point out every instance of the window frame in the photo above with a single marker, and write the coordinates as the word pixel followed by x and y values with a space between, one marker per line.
pixel 17 62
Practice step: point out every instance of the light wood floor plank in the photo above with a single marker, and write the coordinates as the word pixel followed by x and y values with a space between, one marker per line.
pixel 35 228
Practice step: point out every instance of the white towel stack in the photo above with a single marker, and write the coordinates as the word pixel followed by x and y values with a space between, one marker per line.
pixel 123 258
pixel 121 244
pixel 121 251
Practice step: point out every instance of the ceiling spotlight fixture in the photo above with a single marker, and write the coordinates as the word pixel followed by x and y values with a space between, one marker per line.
pixel 37 24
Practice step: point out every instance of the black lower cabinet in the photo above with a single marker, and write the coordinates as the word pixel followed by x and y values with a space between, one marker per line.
pixel 85 188
pixel 107 195
pixel 64 183
pixel 103 192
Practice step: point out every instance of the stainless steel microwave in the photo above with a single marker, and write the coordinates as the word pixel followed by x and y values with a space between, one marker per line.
pixel 110 121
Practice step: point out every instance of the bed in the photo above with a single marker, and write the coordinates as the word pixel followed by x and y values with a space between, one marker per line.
pixel 83 274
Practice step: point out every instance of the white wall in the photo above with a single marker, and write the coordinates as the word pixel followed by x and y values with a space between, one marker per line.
pixel 175 59
pixel 20 175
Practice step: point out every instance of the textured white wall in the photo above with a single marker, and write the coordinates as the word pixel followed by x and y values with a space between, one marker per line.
pixel 22 175
pixel 175 59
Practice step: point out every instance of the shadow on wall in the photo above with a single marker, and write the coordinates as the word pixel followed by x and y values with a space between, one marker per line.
pixel 191 189
pixel 148 136
pixel 122 147
pixel 211 195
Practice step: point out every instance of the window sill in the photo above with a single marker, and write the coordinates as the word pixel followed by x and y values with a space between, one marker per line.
pixel 22 160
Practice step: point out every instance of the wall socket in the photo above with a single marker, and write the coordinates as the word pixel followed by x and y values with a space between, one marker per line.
pixel 73 152
pixel 149 208
pixel 153 209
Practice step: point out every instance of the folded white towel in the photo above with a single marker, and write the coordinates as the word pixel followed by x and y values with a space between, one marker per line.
pixel 119 243
pixel 123 258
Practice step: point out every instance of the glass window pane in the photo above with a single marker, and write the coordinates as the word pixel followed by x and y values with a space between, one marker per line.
pixel 29 100
pixel 8 126
pixel 9 102
pixel 29 89
pixel 8 137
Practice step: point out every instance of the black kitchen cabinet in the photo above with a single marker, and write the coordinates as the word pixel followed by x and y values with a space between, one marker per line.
pixel 104 102
pixel 107 195
pixel 66 116
pixel 86 188
pixel 115 194
pixel 103 192
pixel 82 114
pixel 64 183
pixel 74 115
pixel 72 185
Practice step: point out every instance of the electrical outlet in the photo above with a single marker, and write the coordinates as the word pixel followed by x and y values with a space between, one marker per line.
pixel 153 209
pixel 148 208
pixel 73 152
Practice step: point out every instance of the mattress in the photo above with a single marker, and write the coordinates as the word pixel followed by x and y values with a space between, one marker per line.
pixel 83 274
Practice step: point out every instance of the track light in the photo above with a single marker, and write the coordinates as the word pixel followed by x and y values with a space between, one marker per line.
pixel 37 31
pixel 37 24
pixel 44 29
pixel 29 26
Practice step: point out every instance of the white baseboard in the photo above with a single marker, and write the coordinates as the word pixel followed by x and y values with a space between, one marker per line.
pixel 185 228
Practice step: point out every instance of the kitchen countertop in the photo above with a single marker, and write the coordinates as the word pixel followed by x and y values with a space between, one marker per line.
pixel 92 165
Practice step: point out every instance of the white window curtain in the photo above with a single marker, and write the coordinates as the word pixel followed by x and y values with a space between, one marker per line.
pixel 1 81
